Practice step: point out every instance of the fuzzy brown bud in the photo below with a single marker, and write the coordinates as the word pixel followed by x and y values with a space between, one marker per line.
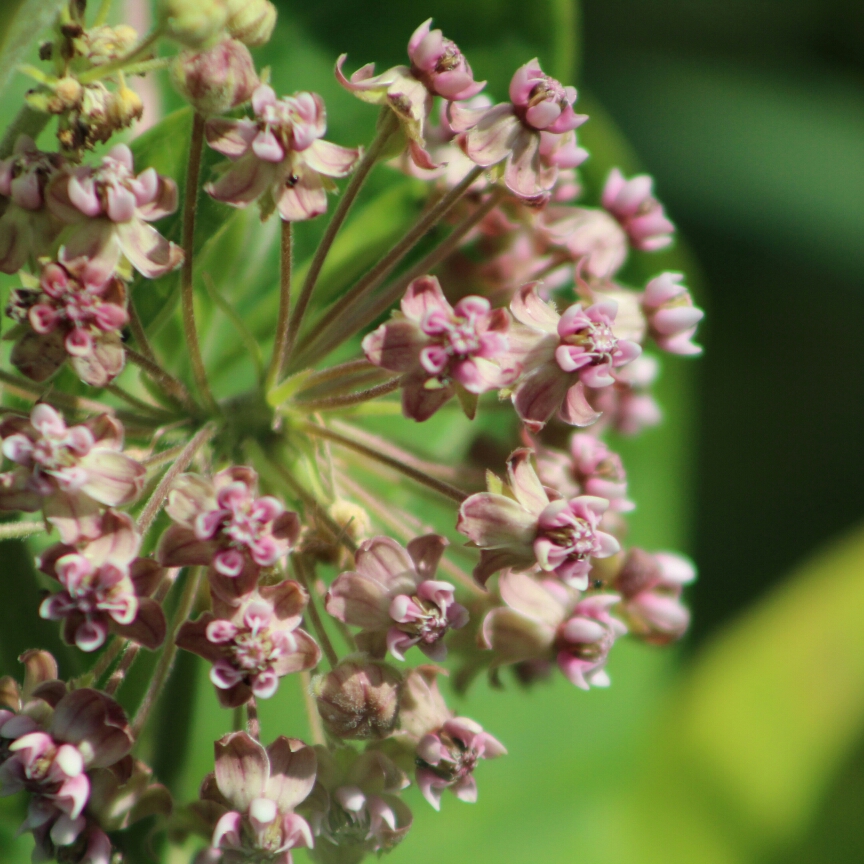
pixel 124 108
pixel 359 699
pixel 194 23
pixel 251 21
pixel 216 80
pixel 68 93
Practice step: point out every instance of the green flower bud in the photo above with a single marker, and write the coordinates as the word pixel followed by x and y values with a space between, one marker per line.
pixel 251 21
pixel 194 23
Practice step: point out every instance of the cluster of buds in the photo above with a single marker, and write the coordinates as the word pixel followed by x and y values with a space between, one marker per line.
pixel 527 307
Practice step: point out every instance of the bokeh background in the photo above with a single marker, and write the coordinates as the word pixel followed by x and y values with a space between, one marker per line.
pixel 745 745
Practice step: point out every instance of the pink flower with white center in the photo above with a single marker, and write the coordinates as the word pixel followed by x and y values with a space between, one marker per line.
pixel 254 644
pixel 518 527
pixel 67 471
pixel 562 355
pixel 628 406
pixel 75 315
pixel 27 228
pixel 279 157
pixel 438 68
pixel 256 790
pixel 354 808
pixel 531 136
pixel 651 587
pixel 225 524
pixel 85 730
pixel 446 748
pixel 672 317
pixel 105 587
pixel 548 621
pixel 443 350
pixel 393 597
pixel 640 214
pixel 109 209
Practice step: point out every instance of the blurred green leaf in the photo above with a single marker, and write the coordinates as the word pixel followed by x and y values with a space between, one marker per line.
pixel 21 23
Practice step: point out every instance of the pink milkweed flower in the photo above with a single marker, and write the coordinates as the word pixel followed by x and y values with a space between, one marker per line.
pixel 438 68
pixel 441 349
pixel 564 354
pixel 546 620
pixel 224 523
pixel 85 730
pixel 279 157
pixel 74 314
pixel 518 527
pixel 27 228
pixel 628 406
pixel 393 597
pixel 640 214
pixel 68 471
pixel 109 209
pixel 446 748
pixel 531 136
pixel 650 587
pixel 590 468
pixel 253 644
pixel 672 317
pixel 354 808
pixel 591 238
pixel 254 791
pixel 105 587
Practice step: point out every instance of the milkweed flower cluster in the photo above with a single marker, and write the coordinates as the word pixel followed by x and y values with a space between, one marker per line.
pixel 275 532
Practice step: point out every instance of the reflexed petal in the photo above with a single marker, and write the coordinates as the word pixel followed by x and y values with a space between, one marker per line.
pixel 331 159
pixel 242 769
pixel 244 182
pixel 304 197
pixel 112 478
pixel 147 250
pixel 426 552
pixel 492 520
pixel 526 484
pixel 292 772
pixel 360 600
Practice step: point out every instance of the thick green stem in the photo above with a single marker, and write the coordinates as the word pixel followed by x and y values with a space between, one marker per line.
pixel 169 652
pixel 253 724
pixel 371 280
pixel 438 486
pixel 332 334
pixel 315 726
pixel 389 125
pixel 170 386
pixel 102 14
pixel 118 676
pixel 10 530
pixel 280 343
pixel 187 293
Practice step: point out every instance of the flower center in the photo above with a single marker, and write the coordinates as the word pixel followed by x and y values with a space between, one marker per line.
pixel 598 340
pixel 547 90
pixel 254 652
pixel 451 58
pixel 578 539
pixel 430 625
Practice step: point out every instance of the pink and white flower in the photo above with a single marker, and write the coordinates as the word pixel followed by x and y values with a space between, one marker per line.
pixel 279 157
pixel 225 524
pixel 75 314
pixel 446 748
pixel 253 644
pixel 639 213
pixel 441 349
pixel 564 354
pixel 105 587
pixel 651 587
pixel 68 471
pixel 109 208
pixel 256 790
pixel 395 599
pixel 546 620
pixel 531 136
pixel 27 228
pixel 517 526
pixel 672 317
pixel 438 68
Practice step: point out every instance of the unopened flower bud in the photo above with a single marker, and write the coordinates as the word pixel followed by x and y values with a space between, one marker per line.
pixel 251 21
pixel 359 700
pixel 194 23
pixel 216 80
pixel 351 518
pixel 124 108
pixel 68 93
